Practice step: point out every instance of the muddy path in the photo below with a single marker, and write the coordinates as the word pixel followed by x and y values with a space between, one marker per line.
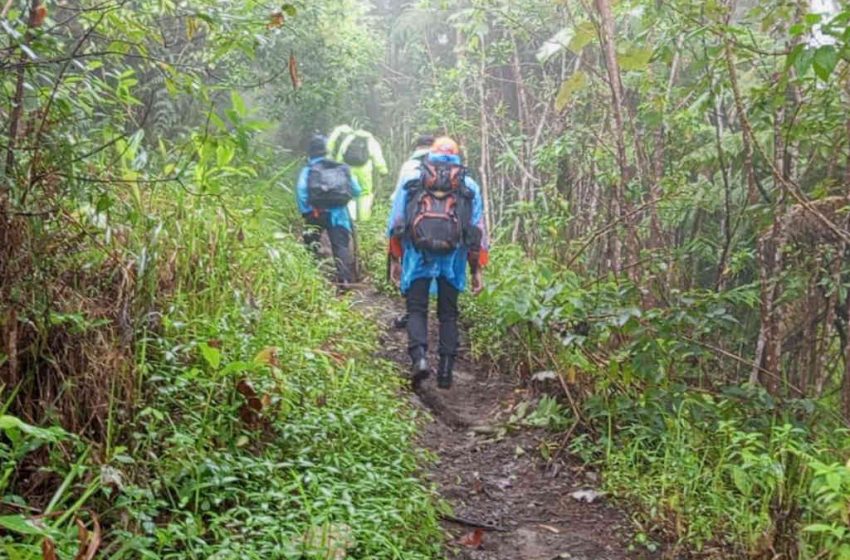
pixel 500 489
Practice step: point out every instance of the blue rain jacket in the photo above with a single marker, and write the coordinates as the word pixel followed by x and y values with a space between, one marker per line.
pixel 416 264
pixel 338 217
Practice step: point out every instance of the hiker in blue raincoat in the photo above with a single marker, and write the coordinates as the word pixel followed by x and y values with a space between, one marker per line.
pixel 411 169
pixel 436 229
pixel 323 191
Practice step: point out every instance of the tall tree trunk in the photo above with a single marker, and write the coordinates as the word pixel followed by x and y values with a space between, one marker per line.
pixel 484 140
pixel 8 241
pixel 610 51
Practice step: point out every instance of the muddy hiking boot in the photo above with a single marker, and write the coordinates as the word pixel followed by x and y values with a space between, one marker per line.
pixel 444 372
pixel 421 370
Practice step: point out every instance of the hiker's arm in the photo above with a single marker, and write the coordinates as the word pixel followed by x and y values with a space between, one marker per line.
pixel 356 189
pixel 377 156
pixel 396 220
pixel 301 192
pixel 479 252
pixel 394 225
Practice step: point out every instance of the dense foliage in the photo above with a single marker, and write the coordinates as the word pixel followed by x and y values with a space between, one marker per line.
pixel 203 395
pixel 666 190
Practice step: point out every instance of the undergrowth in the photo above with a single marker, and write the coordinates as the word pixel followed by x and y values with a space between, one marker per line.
pixel 262 425
pixel 713 466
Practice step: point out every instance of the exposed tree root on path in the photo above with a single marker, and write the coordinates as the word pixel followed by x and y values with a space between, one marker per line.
pixel 495 480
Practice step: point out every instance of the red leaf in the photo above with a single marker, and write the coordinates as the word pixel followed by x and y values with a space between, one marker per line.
pixel 293 72
pixel 39 14
pixel 89 542
pixel 48 550
pixel 473 539
pixel 275 20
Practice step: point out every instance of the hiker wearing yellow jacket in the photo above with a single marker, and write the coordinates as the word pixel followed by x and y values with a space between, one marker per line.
pixel 362 153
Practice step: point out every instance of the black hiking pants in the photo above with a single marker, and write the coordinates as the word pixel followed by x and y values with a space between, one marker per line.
pixel 340 239
pixel 417 323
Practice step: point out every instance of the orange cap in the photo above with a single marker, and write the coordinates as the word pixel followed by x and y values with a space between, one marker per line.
pixel 445 146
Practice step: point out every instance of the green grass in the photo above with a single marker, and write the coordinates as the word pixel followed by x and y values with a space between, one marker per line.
pixel 710 467
pixel 241 319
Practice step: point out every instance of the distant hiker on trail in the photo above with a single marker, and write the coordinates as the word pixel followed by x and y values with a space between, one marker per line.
pixel 362 153
pixel 436 228
pixel 410 169
pixel 336 137
pixel 324 190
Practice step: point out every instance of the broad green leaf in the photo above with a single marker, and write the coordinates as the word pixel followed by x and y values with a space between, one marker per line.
pixel 21 525
pixel 238 103
pixel 822 528
pixel 289 9
pixel 571 85
pixel 211 355
pixel 824 61
pixel 585 33
pixel 742 483
pixel 802 60
pixel 224 154
pixel 635 58
pixel 15 423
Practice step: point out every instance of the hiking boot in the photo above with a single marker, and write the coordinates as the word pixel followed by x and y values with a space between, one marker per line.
pixel 421 370
pixel 444 372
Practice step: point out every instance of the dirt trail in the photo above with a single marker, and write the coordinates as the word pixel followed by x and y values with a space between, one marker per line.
pixel 499 480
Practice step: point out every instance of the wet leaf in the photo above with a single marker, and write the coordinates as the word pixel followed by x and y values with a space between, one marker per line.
pixel 570 86
pixel 238 103
pixel 635 58
pixel 211 355
pixel 824 62
pixel 20 524
pixel 585 34
pixel 473 539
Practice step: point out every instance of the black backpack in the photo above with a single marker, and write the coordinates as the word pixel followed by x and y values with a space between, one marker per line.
pixel 357 152
pixel 329 185
pixel 439 209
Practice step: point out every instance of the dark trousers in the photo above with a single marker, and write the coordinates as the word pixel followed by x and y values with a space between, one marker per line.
pixel 340 239
pixel 417 324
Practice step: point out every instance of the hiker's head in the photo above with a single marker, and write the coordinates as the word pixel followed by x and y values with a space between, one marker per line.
pixel 444 149
pixel 318 146
pixel 423 141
